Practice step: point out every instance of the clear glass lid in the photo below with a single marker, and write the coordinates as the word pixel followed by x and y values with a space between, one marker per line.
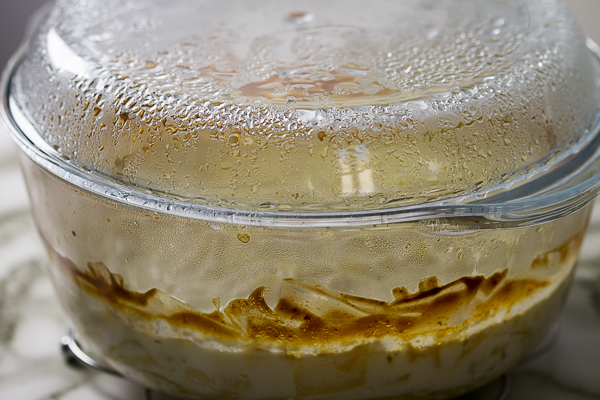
pixel 308 105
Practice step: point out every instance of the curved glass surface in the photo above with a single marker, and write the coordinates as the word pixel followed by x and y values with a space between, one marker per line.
pixel 309 107
pixel 563 188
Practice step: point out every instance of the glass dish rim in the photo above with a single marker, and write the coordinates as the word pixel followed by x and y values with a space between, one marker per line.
pixel 513 205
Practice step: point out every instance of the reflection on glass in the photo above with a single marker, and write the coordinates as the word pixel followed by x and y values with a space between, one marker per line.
pixel 356 175
pixel 64 58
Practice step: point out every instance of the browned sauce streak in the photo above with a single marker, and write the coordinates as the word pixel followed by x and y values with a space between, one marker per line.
pixel 568 249
pixel 301 88
pixel 431 308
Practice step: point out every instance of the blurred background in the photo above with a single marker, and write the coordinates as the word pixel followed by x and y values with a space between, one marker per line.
pixel 14 14
pixel 13 17
pixel 587 13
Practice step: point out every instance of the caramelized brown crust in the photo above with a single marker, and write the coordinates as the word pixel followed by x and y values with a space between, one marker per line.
pixel 568 249
pixel 339 317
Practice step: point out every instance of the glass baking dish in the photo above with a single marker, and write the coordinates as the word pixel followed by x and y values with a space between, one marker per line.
pixel 306 282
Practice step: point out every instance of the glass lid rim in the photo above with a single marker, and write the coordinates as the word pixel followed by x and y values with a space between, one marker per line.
pixel 526 210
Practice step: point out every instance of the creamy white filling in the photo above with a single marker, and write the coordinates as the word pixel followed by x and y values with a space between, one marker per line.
pixel 186 362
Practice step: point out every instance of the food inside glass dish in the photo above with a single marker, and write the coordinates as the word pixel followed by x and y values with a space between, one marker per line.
pixel 342 200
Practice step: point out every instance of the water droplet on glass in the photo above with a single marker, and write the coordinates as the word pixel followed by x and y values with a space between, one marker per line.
pixel 300 17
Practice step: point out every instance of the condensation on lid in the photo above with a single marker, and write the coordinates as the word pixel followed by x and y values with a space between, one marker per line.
pixel 309 105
